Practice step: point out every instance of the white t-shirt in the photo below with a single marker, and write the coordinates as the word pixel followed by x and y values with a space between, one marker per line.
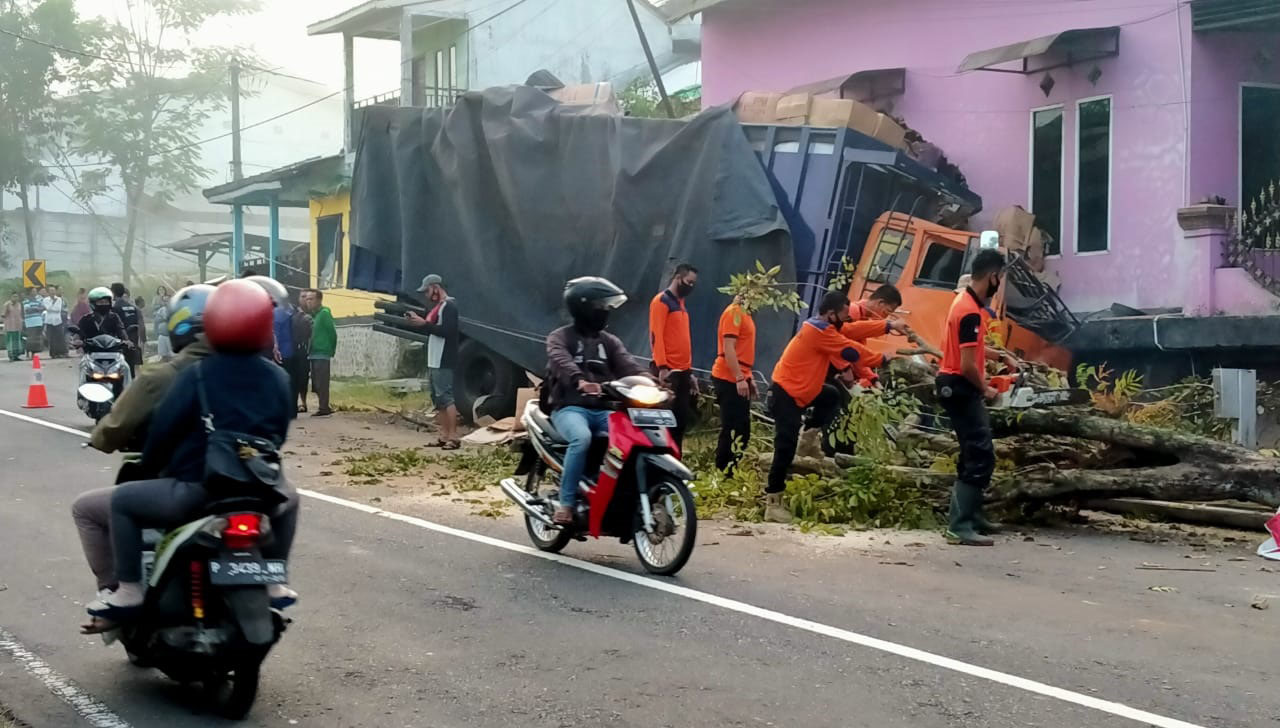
pixel 53 306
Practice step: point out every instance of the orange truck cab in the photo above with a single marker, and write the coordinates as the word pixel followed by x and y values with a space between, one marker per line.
pixel 926 261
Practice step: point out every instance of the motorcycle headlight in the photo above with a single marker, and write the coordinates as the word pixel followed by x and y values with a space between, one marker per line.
pixel 99 376
pixel 113 375
pixel 646 395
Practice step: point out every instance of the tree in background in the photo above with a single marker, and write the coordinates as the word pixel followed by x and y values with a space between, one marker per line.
pixel 137 110
pixel 640 98
pixel 34 40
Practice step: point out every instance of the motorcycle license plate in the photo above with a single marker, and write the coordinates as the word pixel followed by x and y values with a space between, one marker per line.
pixel 247 571
pixel 652 417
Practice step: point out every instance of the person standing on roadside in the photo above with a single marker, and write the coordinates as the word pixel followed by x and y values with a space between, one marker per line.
pixel 299 364
pixel 140 303
pixel 963 392
pixel 735 388
pixel 324 344
pixel 160 322
pixel 799 383
pixel 672 345
pixel 79 311
pixel 441 324
pixel 33 321
pixel 55 329
pixel 131 319
pixel 13 327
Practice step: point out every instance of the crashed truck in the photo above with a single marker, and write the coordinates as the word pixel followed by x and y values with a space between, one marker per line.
pixel 508 194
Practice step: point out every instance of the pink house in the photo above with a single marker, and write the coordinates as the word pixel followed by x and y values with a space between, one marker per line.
pixel 1110 116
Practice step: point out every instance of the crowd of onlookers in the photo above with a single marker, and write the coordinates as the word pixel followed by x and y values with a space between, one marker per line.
pixel 37 321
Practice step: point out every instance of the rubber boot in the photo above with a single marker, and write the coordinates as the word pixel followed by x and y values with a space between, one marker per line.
pixel 983 525
pixel 966 500
pixel 774 510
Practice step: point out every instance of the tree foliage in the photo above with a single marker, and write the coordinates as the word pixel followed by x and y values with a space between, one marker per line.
pixel 30 66
pixel 137 111
pixel 760 289
pixel 640 98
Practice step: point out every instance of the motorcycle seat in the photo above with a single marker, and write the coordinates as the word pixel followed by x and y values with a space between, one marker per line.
pixel 544 423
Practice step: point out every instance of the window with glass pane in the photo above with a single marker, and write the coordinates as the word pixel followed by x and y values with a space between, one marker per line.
pixel 1046 175
pixel 1259 141
pixel 1093 185
pixel 439 77
pixel 892 252
pixel 453 66
pixel 941 267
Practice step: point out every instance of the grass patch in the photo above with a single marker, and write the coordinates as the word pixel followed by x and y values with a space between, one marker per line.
pixel 364 395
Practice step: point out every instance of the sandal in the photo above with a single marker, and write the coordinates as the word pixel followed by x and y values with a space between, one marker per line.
pixel 97 625
pixel 451 445
pixel 113 613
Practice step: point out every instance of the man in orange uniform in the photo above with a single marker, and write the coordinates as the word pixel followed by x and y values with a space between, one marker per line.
pixel 962 389
pixel 799 382
pixel 731 375
pixel 672 344
pixel 870 316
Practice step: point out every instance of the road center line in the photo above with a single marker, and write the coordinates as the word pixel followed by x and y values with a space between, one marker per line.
pixel 1032 686
pixel 94 712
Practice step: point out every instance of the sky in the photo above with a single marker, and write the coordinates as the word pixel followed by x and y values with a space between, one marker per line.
pixel 279 35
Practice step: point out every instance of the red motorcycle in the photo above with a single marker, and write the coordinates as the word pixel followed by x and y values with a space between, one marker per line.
pixel 641 494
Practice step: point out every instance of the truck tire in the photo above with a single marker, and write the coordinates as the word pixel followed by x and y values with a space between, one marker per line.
pixel 485 383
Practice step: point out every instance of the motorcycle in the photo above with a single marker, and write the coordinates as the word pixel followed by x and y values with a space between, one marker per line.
pixel 641 495
pixel 207 617
pixel 104 374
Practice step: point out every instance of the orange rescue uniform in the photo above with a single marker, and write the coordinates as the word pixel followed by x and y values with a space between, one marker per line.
pixel 966 329
pixel 669 333
pixel 735 322
pixel 802 370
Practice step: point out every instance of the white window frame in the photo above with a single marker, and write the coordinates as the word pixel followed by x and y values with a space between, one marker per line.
pixel 1062 182
pixel 453 67
pixel 440 78
pixel 1111 187
pixel 1240 137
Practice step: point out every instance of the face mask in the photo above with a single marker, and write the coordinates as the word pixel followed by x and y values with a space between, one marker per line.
pixel 684 289
pixel 595 321
pixel 995 287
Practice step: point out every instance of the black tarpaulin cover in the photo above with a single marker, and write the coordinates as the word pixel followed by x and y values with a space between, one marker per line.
pixel 509 194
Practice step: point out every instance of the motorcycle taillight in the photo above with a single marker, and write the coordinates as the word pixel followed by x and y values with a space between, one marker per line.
pixel 243 530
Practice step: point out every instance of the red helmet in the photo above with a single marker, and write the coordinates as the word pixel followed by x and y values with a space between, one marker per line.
pixel 238 318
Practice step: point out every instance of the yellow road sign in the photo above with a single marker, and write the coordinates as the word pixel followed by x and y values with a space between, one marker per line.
pixel 33 273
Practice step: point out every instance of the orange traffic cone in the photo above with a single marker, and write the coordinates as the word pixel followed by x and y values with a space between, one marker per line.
pixel 37 398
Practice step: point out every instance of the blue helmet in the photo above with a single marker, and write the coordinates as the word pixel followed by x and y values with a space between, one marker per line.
pixel 186 314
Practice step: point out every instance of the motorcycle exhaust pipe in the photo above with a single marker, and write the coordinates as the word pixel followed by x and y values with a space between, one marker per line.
pixel 521 498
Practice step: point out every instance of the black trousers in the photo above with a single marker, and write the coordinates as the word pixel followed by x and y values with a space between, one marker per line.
pixel 964 404
pixel 299 374
pixel 735 423
pixel 681 384
pixel 788 417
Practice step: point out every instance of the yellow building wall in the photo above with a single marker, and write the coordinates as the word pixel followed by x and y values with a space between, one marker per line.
pixel 343 302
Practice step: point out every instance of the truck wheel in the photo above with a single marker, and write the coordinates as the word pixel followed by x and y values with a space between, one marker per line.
pixel 483 378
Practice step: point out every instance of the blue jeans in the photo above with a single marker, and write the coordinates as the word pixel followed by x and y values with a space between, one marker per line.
pixel 577 425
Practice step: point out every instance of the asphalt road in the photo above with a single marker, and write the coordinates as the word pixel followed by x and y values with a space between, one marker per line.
pixel 406 624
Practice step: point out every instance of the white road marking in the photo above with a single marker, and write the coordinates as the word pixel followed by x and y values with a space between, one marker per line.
pixel 94 712
pixel 911 653
pixel 42 423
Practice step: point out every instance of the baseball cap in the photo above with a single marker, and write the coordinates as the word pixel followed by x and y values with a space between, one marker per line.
pixel 429 281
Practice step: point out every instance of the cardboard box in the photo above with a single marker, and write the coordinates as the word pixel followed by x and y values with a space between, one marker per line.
pixel 523 397
pixel 890 132
pixel 793 121
pixel 827 112
pixel 794 106
pixel 588 94
pixel 757 107
pixel 1035 250
pixel 1014 225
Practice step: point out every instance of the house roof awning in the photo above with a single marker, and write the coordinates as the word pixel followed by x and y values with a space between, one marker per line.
pixel 1246 15
pixel 209 243
pixel 1051 51
pixel 380 19
pixel 290 186
pixel 868 85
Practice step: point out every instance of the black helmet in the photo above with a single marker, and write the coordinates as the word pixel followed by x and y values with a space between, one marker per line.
pixel 186 314
pixel 590 300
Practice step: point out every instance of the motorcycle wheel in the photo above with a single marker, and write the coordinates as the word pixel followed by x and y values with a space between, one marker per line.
pixel 544 537
pixel 668 549
pixel 232 694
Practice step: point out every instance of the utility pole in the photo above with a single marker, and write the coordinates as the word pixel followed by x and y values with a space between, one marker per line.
pixel 653 65
pixel 237 173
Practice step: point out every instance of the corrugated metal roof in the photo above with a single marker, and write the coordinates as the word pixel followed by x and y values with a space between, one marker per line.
pixel 1076 45
pixel 673 10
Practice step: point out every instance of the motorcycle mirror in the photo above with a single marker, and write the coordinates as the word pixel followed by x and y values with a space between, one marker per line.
pixel 95 393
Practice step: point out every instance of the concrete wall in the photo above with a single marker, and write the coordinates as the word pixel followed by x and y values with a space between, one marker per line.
pixel 365 353
pixel 580 41
pixel 982 119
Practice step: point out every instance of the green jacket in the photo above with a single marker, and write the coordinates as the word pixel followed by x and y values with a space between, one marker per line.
pixel 127 420
pixel 324 335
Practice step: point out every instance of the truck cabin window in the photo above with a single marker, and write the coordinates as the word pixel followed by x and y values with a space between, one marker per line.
pixel 892 251
pixel 941 267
